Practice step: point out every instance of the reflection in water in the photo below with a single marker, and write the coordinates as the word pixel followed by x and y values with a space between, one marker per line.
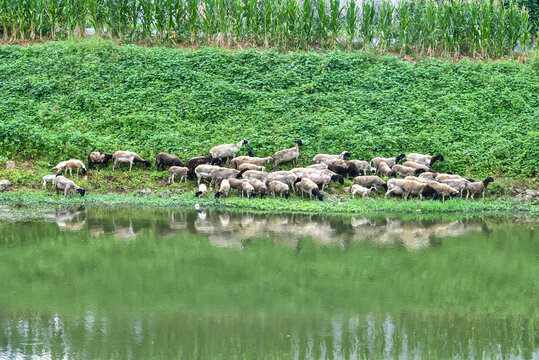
pixel 231 229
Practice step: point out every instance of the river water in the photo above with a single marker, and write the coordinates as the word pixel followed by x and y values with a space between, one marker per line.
pixel 140 283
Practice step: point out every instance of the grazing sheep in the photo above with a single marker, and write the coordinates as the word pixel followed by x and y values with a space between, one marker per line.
pixel 236 162
pixel 61 166
pixel 201 160
pixel 429 175
pixel 318 166
pixel 279 188
pixel 224 188
pixel 406 187
pixel 370 181
pixel 248 189
pixel 62 183
pixel 328 159
pixel 424 159
pixel 389 161
pixel 442 177
pixel 478 187
pixel 220 173
pixel 415 165
pixel 406 171
pixel 201 190
pixel 47 179
pixel 287 155
pixel 385 170
pixel 254 174
pixel 74 163
pixel 363 166
pixel 98 158
pixel 251 167
pixel 174 171
pixel 259 186
pixel 130 157
pixel 457 184
pixel 443 189
pixel 204 171
pixel 344 168
pixel 235 183
pixel 358 189
pixel 307 186
pixel 226 151
pixel 322 179
pixel 286 177
pixel 163 160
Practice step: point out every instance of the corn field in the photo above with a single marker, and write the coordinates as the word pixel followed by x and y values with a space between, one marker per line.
pixel 481 28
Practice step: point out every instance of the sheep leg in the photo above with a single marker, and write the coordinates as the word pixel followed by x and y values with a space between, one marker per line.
pixel 483 195
pixel 130 165
pixel 387 193
pixel 406 196
pixel 65 191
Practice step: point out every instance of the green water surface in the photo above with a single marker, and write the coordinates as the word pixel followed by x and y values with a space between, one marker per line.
pixel 92 283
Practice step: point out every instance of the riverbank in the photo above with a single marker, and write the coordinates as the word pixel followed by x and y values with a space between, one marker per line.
pixel 334 205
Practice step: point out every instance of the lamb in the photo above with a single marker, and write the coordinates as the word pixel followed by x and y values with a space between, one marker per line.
pixel 254 174
pixel 251 167
pixel 476 187
pixel 415 165
pixel 201 190
pixel 283 176
pixel 309 187
pixel 318 167
pixel 224 188
pixel 163 160
pixel 220 173
pixel 363 166
pixel 98 158
pixel 74 163
pixel 287 155
pixel 130 157
pixel 236 162
pixel 328 159
pixel 62 183
pixel 375 162
pixel 355 189
pixel 385 170
pixel 406 171
pixel 279 188
pixel 370 181
pixel 227 150
pixel 47 179
pixel 174 171
pixel 248 189
pixel 201 160
pixel 406 187
pixel 259 186
pixel 424 159
pixel 322 179
pixel 443 189
pixel 204 171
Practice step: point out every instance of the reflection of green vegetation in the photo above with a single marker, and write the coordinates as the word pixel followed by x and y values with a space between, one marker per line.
pixel 292 205
pixel 477 289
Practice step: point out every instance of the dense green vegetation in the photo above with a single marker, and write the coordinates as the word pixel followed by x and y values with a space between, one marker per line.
pixel 65 99
pixel 479 27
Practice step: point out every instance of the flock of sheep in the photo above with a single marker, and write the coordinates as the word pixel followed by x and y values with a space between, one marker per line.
pixel 248 174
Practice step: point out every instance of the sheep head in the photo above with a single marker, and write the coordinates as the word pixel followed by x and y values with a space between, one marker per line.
pixel 81 191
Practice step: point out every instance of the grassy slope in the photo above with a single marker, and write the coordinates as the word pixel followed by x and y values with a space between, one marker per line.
pixel 62 100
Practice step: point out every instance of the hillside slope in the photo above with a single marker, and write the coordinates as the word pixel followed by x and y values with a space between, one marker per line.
pixel 64 99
